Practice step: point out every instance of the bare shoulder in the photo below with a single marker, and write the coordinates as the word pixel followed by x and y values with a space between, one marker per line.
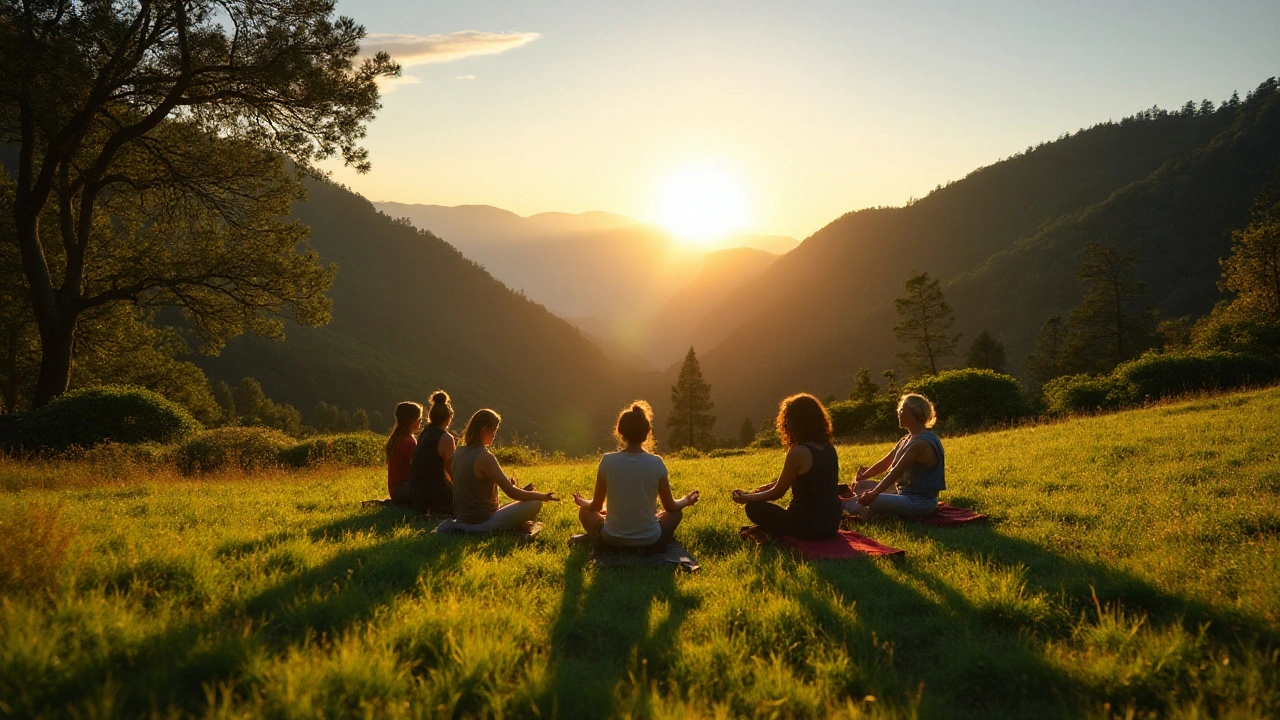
pixel 800 452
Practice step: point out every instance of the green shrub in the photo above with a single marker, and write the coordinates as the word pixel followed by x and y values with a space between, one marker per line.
pixel 1155 376
pixel 516 453
pixel 359 448
pixel 727 452
pixel 855 417
pixel 244 448
pixel 972 398
pixel 687 453
pixel 1082 393
pixel 768 437
pixel 110 413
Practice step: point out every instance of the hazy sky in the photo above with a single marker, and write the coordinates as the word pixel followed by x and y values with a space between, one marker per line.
pixel 813 108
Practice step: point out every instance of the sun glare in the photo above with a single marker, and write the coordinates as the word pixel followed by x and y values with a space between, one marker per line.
pixel 701 204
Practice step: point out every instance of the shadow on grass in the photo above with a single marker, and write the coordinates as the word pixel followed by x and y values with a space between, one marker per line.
pixel 173 668
pixel 979 654
pixel 615 626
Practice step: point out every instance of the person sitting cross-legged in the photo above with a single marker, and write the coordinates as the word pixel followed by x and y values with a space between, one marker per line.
pixel 811 471
pixel 916 468
pixel 477 476
pixel 631 482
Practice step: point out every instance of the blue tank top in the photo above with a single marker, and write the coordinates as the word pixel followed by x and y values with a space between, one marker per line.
pixel 918 480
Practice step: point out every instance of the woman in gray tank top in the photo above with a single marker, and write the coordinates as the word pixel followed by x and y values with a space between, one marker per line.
pixel 916 468
pixel 477 477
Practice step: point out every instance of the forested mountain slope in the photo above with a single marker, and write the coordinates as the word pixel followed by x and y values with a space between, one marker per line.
pixel 1006 241
pixel 411 314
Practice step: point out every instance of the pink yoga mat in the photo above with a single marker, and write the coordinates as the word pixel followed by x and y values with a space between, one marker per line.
pixel 947 515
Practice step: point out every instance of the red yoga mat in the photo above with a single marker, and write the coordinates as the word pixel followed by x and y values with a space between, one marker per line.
pixel 845 545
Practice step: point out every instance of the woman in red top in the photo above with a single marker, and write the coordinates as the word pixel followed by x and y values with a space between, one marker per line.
pixel 400 447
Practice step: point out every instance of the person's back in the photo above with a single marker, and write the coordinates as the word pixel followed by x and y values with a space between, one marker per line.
pixel 631 481
pixel 475 499
pixel 429 490
pixel 815 495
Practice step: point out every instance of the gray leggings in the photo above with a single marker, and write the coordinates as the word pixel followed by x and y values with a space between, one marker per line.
pixel 508 517
pixel 893 505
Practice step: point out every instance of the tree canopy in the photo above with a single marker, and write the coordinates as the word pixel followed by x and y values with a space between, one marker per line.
pixel 152 147
pixel 691 421
pixel 924 324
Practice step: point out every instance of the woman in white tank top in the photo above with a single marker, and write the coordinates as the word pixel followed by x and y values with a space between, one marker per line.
pixel 631 482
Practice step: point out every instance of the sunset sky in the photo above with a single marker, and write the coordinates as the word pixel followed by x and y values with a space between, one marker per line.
pixel 803 111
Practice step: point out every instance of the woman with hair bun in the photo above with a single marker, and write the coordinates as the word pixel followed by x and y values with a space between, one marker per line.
pixel 916 468
pixel 632 481
pixel 400 448
pixel 477 476
pixel 811 471
pixel 430 480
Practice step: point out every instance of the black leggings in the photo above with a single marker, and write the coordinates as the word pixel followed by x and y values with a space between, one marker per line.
pixel 783 521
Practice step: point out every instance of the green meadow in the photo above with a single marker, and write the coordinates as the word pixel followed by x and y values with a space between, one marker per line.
pixel 1130 568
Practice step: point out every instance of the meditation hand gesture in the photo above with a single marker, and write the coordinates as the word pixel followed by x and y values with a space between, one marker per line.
pixel 581 501
pixel 866 498
pixel 739 497
pixel 691 498
pixel 861 474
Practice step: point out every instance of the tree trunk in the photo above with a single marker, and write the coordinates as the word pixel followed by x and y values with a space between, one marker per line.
pixel 56 341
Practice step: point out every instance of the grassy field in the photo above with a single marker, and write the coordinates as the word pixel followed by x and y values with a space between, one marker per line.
pixel 1130 568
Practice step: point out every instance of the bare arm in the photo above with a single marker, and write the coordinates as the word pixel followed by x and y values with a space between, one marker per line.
pixel 487 466
pixel 669 503
pixel 910 456
pixel 596 503
pixel 445 449
pixel 883 464
pixel 799 461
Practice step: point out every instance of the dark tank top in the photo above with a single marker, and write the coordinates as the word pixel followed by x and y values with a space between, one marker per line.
pixel 428 489
pixel 815 496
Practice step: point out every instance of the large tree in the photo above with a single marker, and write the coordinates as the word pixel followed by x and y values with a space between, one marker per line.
pixel 986 353
pixel 153 138
pixel 925 324
pixel 1252 271
pixel 691 421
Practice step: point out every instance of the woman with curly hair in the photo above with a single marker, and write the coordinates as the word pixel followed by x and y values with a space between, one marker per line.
pixel 811 471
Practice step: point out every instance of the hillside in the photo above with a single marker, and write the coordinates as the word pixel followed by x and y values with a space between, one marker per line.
pixel 276 594
pixel 410 314
pixel 1006 241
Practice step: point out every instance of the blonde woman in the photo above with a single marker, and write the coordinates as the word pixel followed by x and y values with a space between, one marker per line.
pixel 916 468
pixel 477 476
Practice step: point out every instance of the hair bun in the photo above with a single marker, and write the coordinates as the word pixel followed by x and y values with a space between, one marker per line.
pixel 638 409
pixel 439 398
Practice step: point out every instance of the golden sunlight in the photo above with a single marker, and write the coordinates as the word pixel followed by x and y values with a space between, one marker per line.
pixel 701 204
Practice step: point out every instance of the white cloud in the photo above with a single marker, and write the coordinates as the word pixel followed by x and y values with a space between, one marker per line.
pixel 466 77
pixel 410 50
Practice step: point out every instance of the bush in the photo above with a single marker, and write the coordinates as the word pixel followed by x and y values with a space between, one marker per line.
pixel 1082 393
pixel 360 448
pixel 972 398
pixel 856 417
pixel 516 453
pixel 1155 376
pixel 245 448
pixel 111 413
pixel 34 547
pixel 687 453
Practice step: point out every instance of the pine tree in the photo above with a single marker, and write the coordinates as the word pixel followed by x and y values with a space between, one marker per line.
pixel 1050 358
pixel 1110 326
pixel 691 421
pixel 249 399
pixel 925 326
pixel 747 433
pixel 986 353
pixel 1252 271
pixel 360 420
pixel 864 388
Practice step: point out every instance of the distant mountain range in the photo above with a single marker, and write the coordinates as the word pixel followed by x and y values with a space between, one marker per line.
pixel 609 274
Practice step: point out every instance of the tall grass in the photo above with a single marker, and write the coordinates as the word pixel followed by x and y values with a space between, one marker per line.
pixel 1130 569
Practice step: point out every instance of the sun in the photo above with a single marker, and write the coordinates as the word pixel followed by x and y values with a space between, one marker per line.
pixel 701 204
